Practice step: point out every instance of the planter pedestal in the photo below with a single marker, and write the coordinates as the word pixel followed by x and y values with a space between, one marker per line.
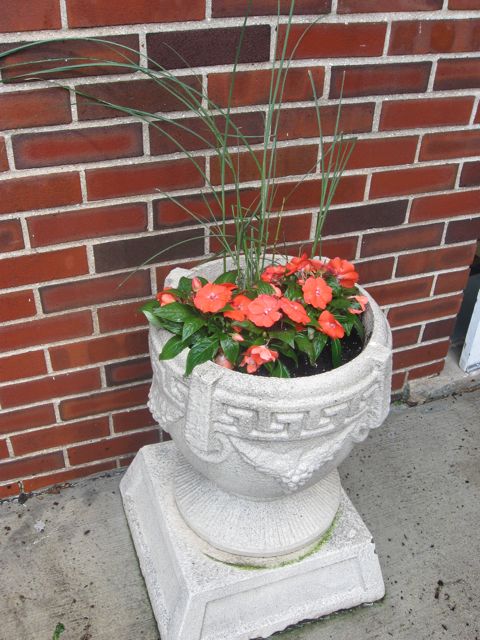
pixel 197 597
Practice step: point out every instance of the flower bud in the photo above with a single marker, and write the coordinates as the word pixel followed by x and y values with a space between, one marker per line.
pixel 196 284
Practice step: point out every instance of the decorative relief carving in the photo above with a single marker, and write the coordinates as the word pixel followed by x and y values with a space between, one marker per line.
pixel 167 398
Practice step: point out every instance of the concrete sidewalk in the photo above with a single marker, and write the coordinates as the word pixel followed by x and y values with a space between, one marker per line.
pixel 68 557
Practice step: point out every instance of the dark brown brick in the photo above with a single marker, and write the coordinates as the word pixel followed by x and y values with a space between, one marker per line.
pixel 398 381
pixel 463 5
pixel 367 216
pixel 401 291
pixel 60 435
pixel 400 182
pixel 451 144
pixel 126 254
pixel 427 310
pixel 31 466
pixel 16 305
pixel 39 192
pixel 128 371
pixel 121 316
pixel 3 156
pixel 375 270
pixel 427 261
pixel 104 402
pixel 434 36
pixel 394 241
pixel 61 477
pixel 96 222
pixel 463 230
pixel 4 450
pixel 22 365
pixel 144 178
pixel 95 291
pixel 452 282
pixel 42 107
pixel 232 8
pixel 45 330
pixel 426 370
pixel 470 176
pixel 99 13
pixel 144 95
pixel 21 419
pixel 205 47
pixel 39 267
pixel 432 112
pixel 449 205
pixel 420 354
pixel 439 329
pixel 11 236
pixel 405 337
pixel 379 79
pixel 117 446
pixel 30 15
pixel 373 6
pixel 73 146
pixel 457 73
pixel 383 152
pixel 132 420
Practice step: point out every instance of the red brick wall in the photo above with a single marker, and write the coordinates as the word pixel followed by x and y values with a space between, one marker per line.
pixel 79 205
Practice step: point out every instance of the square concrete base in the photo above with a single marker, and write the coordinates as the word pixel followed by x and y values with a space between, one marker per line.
pixel 197 598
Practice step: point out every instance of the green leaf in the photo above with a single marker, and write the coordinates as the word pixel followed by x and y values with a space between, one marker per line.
pixel 230 348
pixel 191 326
pixel 264 288
pixel 293 291
pixel 280 370
pixel 175 311
pixel 59 629
pixel 285 350
pixel 174 327
pixel 305 345
pixel 227 277
pixel 172 348
pixel 151 318
pixel 358 324
pixel 151 305
pixel 318 344
pixel 184 287
pixel 202 351
pixel 339 303
pixel 336 347
pixel 287 336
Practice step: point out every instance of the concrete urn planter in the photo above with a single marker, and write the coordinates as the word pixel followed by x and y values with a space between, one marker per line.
pixel 258 482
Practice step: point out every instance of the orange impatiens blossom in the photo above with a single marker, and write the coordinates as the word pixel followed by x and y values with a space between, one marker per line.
pixel 362 301
pixel 297 264
pixel 344 271
pixel 317 292
pixel 254 357
pixel 239 304
pixel 213 297
pixel 295 311
pixel 273 274
pixel 264 311
pixel 164 297
pixel 330 325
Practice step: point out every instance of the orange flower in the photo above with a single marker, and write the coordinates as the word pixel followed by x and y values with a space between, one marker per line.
pixel 164 297
pixel 254 357
pixel 296 264
pixel 212 297
pixel 294 310
pixel 273 274
pixel 222 360
pixel 344 271
pixel 239 304
pixel 237 337
pixel 330 325
pixel 362 301
pixel 317 292
pixel 263 311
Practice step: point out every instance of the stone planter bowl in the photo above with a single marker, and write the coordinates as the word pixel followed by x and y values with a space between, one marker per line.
pixel 261 454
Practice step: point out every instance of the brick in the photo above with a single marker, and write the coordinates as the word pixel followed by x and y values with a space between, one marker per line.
pixel 375 270
pixel 457 73
pixel 71 52
pixel 427 310
pixel 133 419
pixel 398 381
pixel 427 370
pixel 477 117
pixel 303 123
pixel 11 236
pixel 470 176
pixel 39 267
pixel 144 95
pixel 30 15
pixel 253 87
pixel 31 466
pixel 97 222
pixel 9 490
pixel 3 449
pixel 45 330
pixel 126 254
pixel 376 6
pixel 42 107
pixel 21 419
pixel 405 337
pixel 17 305
pixel 62 477
pixel 306 194
pixel 366 216
pixel 232 8
pixel 100 13
pixel 401 290
pixel 451 282
pixel 426 261
pixel 24 365
pixel 432 112
pixel 463 5
pixel 439 329
pixel 206 47
pixel 3 156
pixel 402 182
pixel 112 447
pixel 344 247
pixel 379 79
pixel 104 402
pixel 84 293
pixel 144 178
pixel 445 206
pixel 420 354
pixel 39 192
pixel 81 354
pixel 380 152
pixel 73 146
pixel 463 230
pixel 121 316
pixel 200 136
pixel 60 435
pixel 50 387
pixel 289 161
pixel 128 371
pixel 434 36
pixel 452 144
